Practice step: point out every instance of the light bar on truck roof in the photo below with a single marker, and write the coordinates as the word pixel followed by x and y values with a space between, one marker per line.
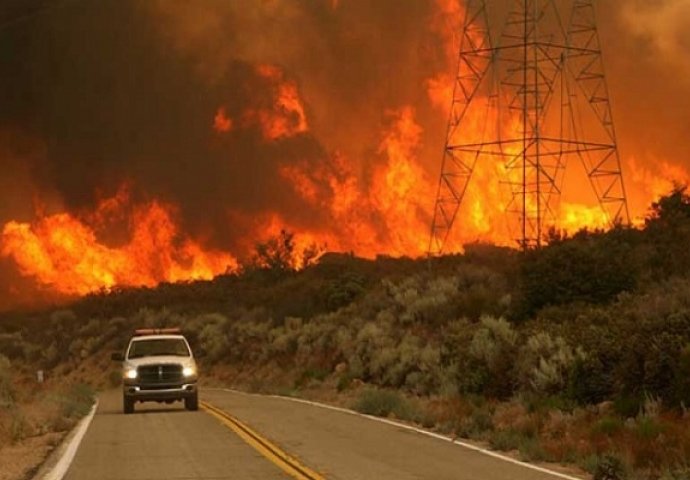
pixel 157 331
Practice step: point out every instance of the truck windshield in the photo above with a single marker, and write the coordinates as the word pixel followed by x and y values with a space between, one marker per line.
pixel 158 347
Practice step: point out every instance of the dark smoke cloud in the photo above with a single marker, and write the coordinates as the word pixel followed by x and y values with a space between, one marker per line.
pixel 96 93
pixel 116 91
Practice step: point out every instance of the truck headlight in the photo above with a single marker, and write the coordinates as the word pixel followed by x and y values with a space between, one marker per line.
pixel 188 371
pixel 131 373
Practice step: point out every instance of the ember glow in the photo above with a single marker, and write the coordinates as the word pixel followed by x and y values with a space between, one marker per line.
pixel 221 124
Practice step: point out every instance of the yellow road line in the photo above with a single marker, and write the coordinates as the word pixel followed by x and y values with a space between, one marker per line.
pixel 282 460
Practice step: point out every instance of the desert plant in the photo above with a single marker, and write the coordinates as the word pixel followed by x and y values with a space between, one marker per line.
pixel 610 467
pixel 6 389
pixel 545 363
pixel 608 426
pixel 505 440
pixel 77 401
pixel 383 403
pixel 491 356
pixel 213 338
pixel 19 425
pixel 677 473
pixel 477 424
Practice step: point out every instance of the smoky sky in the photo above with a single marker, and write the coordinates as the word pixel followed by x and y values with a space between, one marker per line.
pixel 115 91
pixel 94 93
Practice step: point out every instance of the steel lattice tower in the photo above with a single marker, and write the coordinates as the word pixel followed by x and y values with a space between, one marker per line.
pixel 528 103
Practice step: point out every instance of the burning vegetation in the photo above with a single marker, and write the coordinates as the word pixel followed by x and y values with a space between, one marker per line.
pixel 210 135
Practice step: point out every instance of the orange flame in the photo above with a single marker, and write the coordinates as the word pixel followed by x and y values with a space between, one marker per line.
pixel 483 213
pixel 64 253
pixel 286 116
pixel 369 207
pixel 221 122
pixel 386 214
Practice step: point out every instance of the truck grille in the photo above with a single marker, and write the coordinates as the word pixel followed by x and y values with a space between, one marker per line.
pixel 160 374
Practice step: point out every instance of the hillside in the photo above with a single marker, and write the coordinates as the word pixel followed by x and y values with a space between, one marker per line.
pixel 576 353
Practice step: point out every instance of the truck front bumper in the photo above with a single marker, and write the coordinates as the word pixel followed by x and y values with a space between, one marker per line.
pixel 144 393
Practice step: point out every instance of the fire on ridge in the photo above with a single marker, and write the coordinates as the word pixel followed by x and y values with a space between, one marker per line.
pixel 370 195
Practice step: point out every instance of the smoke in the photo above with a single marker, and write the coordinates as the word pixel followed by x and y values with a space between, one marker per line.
pixel 251 114
pixel 664 26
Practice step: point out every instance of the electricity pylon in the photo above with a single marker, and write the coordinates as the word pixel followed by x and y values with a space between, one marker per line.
pixel 527 104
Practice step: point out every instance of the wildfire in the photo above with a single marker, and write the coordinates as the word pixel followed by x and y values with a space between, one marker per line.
pixel 64 253
pixel 484 211
pixel 285 117
pixel 382 215
pixel 379 203
pixel 221 122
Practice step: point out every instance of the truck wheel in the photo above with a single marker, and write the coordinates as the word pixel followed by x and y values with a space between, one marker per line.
pixel 192 403
pixel 127 404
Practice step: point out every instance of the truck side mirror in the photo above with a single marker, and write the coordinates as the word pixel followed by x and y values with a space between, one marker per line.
pixel 117 357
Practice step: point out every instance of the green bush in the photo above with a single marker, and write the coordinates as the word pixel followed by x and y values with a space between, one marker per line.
pixel 477 424
pixel 505 440
pixel 608 426
pixel 590 267
pixel 648 428
pixel 531 450
pixel 545 363
pixel 383 403
pixel 311 374
pixel 77 401
pixel 344 290
pixel 492 353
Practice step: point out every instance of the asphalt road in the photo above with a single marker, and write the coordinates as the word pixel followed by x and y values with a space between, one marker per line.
pixel 163 442
pixel 170 443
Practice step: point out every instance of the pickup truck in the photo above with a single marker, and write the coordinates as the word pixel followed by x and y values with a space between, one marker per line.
pixel 158 366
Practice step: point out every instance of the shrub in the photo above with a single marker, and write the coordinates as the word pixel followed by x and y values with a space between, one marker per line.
pixel 6 390
pixel 311 374
pixel 589 267
pixel 488 342
pixel 627 406
pixel 19 426
pixel 11 345
pixel 492 351
pixel 213 338
pixel 344 381
pixel 419 298
pixel 648 428
pixel 546 363
pixel 678 473
pixel 608 426
pixel 610 467
pixel 481 291
pixel 531 450
pixel 681 382
pixel 505 440
pixel 410 363
pixel 77 401
pixel 344 290
pixel 383 403
pixel 477 424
